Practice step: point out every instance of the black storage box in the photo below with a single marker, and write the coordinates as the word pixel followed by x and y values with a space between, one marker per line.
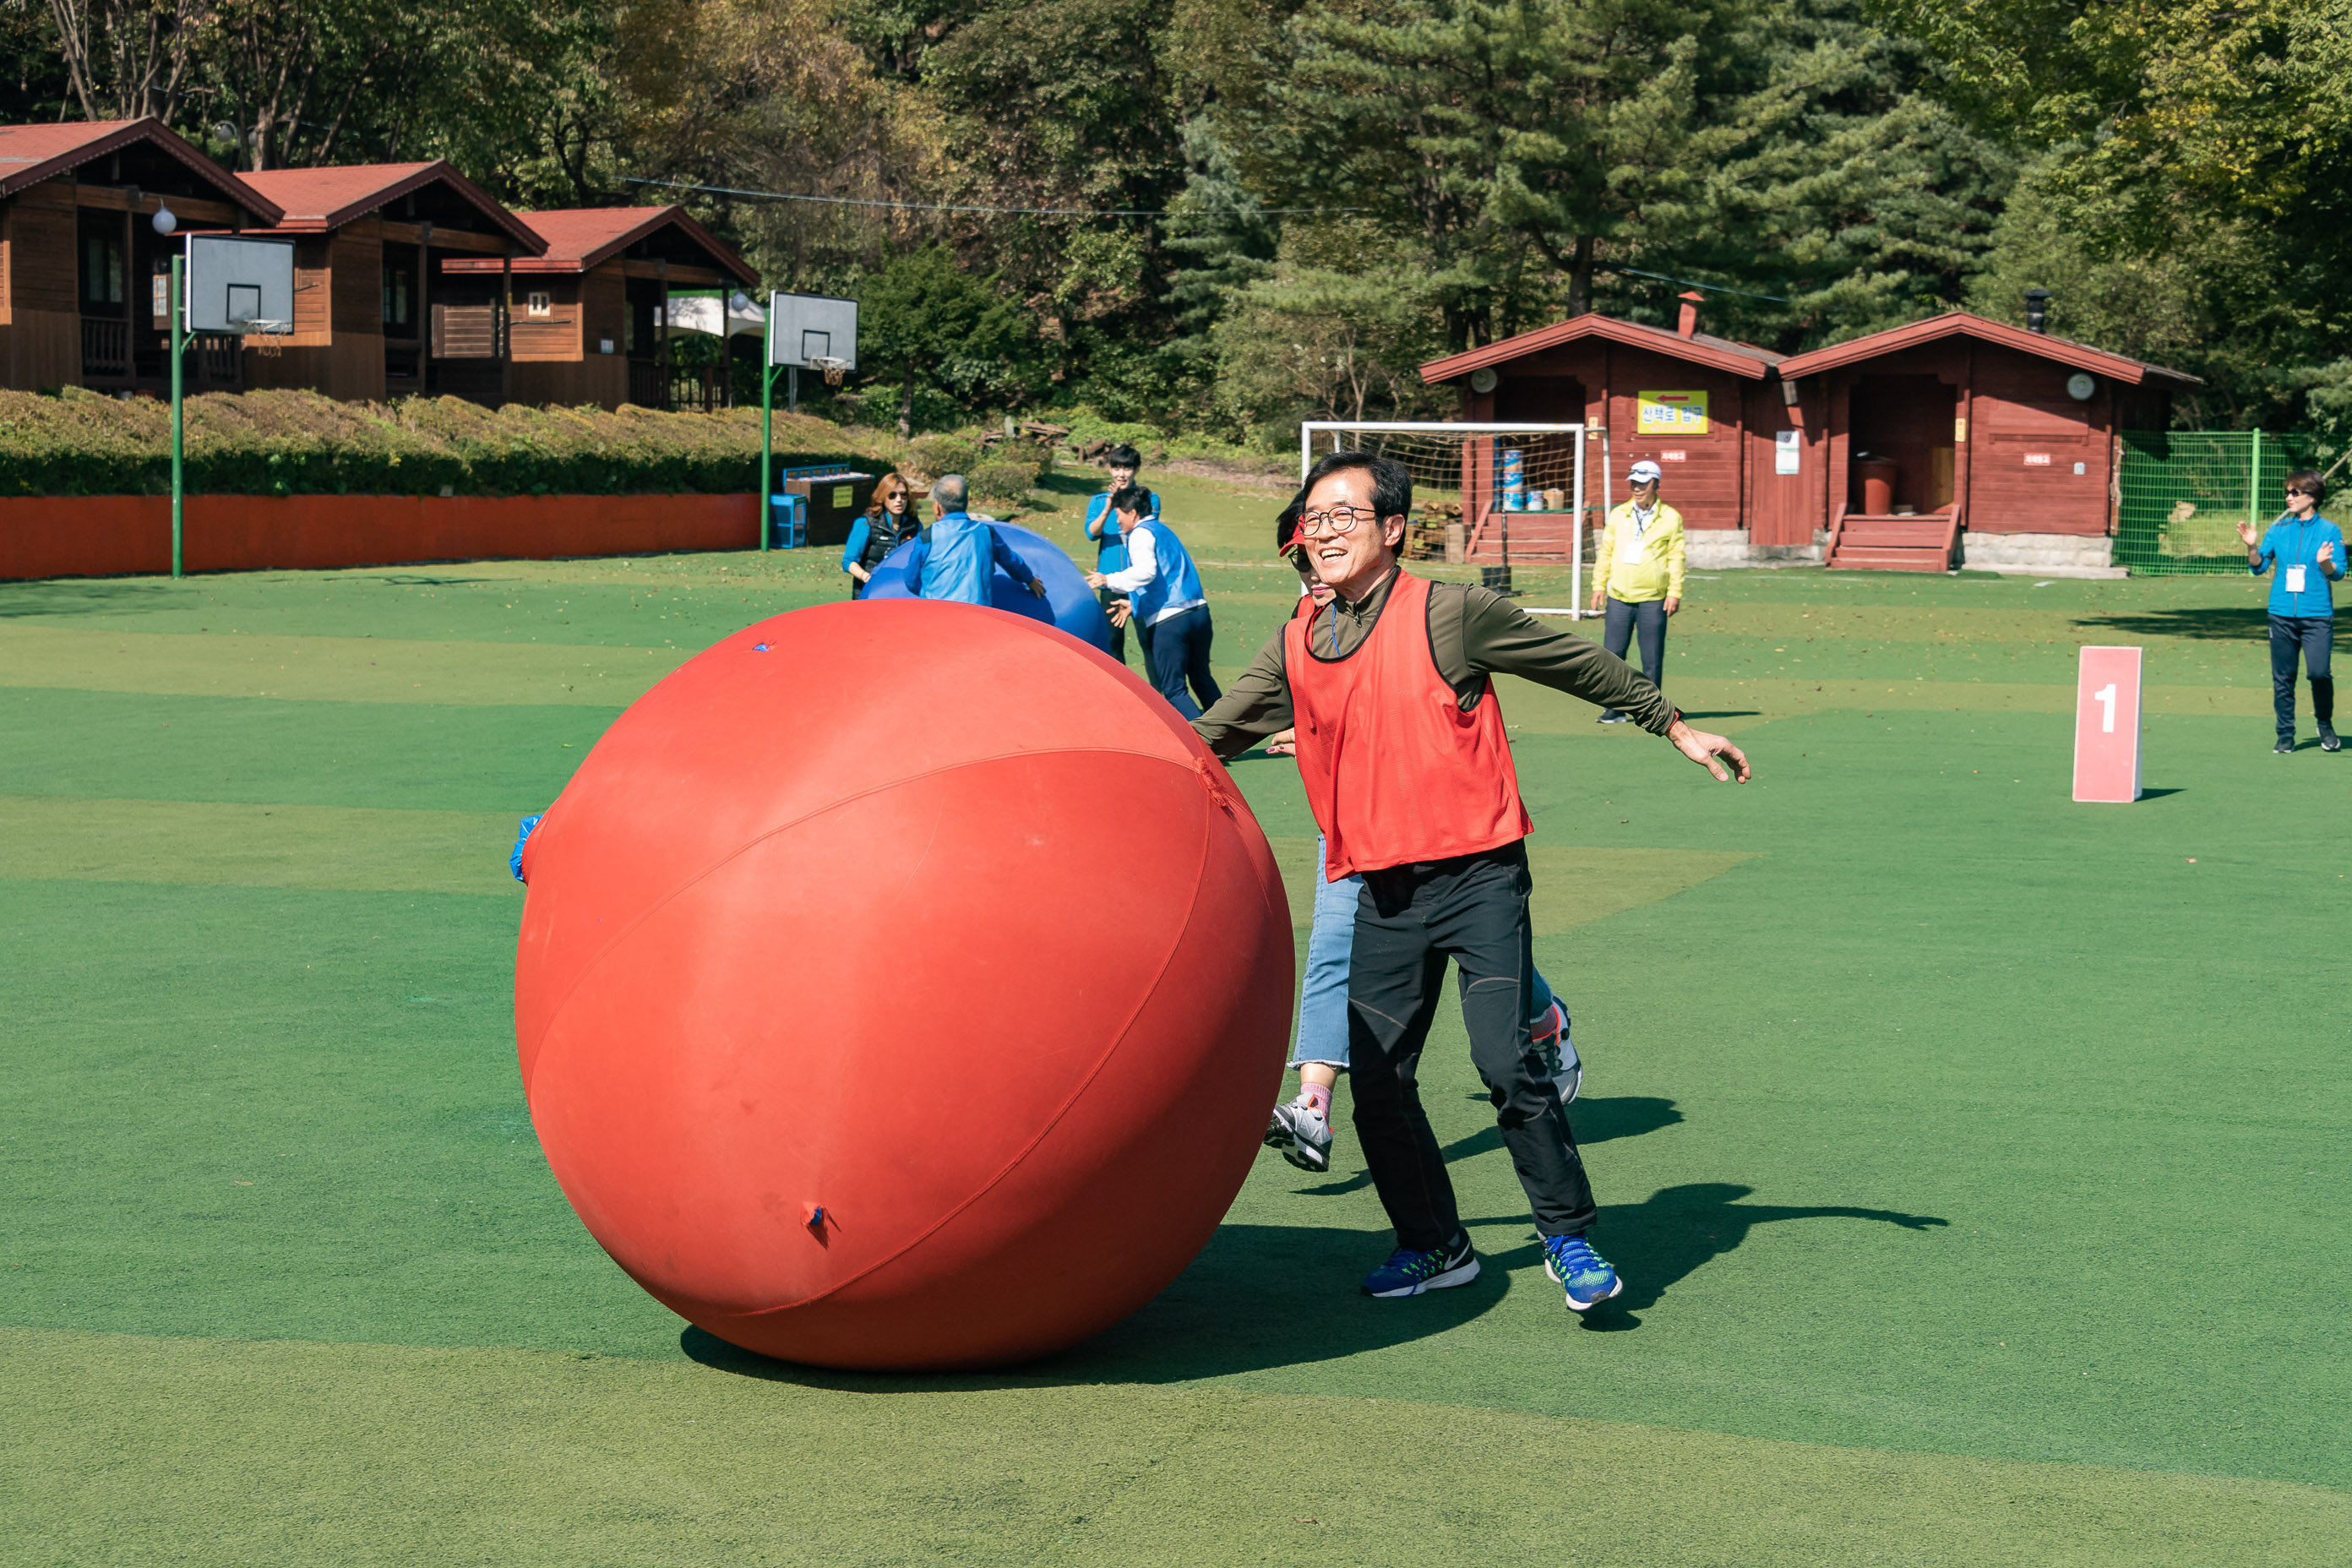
pixel 834 502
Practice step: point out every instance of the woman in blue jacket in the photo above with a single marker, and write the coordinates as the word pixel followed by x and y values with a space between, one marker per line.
pixel 888 523
pixel 2308 553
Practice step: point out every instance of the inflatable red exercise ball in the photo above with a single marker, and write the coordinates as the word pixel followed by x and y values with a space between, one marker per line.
pixel 902 985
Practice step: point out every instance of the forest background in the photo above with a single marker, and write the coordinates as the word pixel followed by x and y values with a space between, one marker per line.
pixel 1219 216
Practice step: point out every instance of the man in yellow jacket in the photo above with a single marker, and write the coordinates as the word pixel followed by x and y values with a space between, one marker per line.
pixel 1640 569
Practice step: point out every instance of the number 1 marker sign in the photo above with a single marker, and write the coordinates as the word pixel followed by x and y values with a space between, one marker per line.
pixel 2106 725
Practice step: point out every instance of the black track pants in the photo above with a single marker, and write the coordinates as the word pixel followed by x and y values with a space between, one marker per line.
pixel 1410 919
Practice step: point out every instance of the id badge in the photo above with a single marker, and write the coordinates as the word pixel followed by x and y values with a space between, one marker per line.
pixel 2294 579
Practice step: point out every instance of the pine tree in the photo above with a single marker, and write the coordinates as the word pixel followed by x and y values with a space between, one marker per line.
pixel 1224 229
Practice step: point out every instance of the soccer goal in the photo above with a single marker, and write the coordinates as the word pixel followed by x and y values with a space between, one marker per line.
pixel 1518 491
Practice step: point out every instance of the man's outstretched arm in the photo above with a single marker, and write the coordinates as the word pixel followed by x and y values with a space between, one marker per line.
pixel 1254 708
pixel 1500 638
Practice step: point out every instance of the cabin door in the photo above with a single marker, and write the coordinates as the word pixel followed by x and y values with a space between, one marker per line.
pixel 1783 482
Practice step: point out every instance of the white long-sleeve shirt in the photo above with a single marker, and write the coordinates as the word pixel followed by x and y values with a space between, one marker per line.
pixel 1142 567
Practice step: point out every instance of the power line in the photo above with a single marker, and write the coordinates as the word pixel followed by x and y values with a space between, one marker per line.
pixel 936 207
pixel 1686 282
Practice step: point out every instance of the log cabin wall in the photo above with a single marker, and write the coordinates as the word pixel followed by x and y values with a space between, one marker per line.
pixel 547 320
pixel 2004 439
pixel 1701 473
pixel 2043 460
pixel 566 362
pixel 44 294
pixel 1598 382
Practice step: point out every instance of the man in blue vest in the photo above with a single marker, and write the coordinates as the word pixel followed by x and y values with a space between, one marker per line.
pixel 1163 591
pixel 955 557
pixel 2308 551
pixel 1110 547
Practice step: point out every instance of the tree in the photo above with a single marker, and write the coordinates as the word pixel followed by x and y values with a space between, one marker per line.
pixel 931 323
pixel 125 58
pixel 1220 224
pixel 2210 132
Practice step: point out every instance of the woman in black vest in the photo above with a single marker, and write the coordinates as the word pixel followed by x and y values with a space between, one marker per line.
pixel 888 524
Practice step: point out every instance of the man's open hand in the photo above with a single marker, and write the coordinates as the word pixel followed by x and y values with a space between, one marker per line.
pixel 1703 749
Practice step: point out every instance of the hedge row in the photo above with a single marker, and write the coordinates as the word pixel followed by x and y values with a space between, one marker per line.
pixel 302 443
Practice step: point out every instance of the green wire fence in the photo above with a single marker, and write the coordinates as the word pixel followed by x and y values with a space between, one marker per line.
pixel 2182 494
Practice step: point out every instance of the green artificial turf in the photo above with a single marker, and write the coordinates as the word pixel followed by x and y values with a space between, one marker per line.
pixel 1970 1153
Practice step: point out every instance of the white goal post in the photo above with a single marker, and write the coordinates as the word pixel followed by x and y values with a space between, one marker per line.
pixel 1493 480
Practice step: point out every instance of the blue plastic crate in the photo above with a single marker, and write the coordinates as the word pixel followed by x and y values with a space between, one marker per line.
pixel 787 521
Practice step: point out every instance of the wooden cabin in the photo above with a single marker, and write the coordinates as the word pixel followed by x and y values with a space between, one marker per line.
pixel 1706 410
pixel 83 274
pixel 400 274
pixel 1959 436
pixel 592 312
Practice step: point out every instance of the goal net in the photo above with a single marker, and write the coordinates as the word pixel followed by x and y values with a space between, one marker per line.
pixel 1518 492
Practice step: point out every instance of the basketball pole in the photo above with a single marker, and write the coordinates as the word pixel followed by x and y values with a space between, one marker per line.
pixel 179 428
pixel 767 411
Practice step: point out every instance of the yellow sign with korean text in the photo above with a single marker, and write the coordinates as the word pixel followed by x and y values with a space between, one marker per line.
pixel 1671 413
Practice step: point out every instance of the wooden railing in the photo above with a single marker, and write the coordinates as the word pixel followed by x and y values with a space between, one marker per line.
pixel 698 391
pixel 647 384
pixel 105 350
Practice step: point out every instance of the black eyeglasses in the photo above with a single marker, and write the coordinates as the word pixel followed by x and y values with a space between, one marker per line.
pixel 2299 490
pixel 1338 520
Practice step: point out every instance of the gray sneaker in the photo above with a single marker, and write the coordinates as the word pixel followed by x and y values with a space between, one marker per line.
pixel 1557 1052
pixel 1302 1133
pixel 2327 740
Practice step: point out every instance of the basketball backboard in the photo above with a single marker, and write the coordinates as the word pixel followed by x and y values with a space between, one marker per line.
pixel 237 285
pixel 807 328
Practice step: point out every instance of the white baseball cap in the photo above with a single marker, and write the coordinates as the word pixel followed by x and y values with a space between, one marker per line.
pixel 1644 470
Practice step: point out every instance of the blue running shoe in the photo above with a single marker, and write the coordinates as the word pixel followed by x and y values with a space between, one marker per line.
pixel 522 837
pixel 1583 1273
pixel 1409 1273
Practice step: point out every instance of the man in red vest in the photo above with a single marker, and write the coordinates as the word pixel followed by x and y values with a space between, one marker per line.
pixel 1408 770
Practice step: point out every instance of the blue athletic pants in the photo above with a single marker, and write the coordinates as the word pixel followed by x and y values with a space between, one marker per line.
pixel 2309 636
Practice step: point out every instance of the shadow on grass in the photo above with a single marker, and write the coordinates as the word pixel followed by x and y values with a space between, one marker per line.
pixel 2216 623
pixel 1592 1120
pixel 82 595
pixel 1258 1296
pixel 1657 1243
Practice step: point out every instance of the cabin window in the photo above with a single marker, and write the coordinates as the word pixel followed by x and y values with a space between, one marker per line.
pixel 101 269
pixel 540 304
pixel 399 301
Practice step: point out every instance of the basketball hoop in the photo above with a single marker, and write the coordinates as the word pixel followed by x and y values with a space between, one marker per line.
pixel 268 331
pixel 833 368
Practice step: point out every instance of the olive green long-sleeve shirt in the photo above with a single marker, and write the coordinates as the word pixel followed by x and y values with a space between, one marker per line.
pixel 1473 632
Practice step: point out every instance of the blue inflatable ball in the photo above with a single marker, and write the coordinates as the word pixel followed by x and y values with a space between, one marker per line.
pixel 1068 602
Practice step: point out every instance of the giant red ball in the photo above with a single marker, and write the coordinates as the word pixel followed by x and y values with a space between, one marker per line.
pixel 902 985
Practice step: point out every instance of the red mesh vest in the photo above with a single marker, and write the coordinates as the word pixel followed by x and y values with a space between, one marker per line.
pixel 1395 772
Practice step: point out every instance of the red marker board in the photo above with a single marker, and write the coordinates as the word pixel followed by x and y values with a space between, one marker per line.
pixel 2106 725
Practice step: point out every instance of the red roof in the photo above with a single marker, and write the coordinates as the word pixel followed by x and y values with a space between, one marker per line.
pixel 320 200
pixel 1719 354
pixel 580 238
pixel 1962 323
pixel 31 154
